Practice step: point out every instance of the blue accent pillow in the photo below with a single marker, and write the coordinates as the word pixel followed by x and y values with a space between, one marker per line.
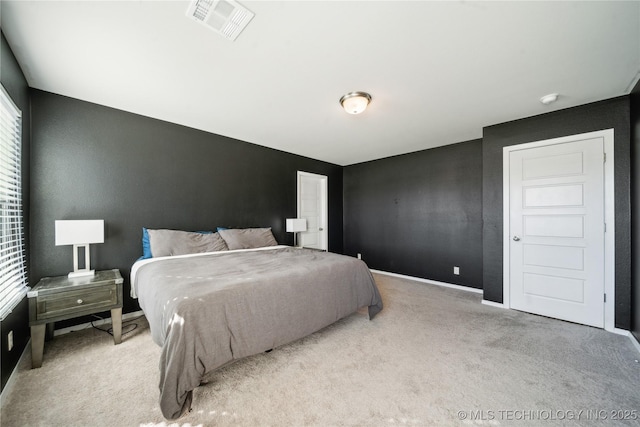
pixel 146 245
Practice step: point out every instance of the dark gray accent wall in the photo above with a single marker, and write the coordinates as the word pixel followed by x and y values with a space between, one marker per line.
pixel 612 113
pixel 418 214
pixel 93 162
pixel 635 211
pixel 17 321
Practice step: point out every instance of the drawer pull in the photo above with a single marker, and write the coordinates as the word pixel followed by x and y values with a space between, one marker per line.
pixel 79 301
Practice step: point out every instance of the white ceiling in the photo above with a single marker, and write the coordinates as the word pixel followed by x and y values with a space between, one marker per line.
pixel 437 71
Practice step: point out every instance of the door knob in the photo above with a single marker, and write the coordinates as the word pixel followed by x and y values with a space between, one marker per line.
pixel 516 238
pixel 320 229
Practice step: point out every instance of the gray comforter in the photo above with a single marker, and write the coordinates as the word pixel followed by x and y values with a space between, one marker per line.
pixel 209 310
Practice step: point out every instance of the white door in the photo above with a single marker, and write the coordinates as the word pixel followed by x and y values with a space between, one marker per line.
pixel 556 254
pixel 313 206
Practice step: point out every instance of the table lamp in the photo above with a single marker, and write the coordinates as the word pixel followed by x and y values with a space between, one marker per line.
pixel 295 225
pixel 80 233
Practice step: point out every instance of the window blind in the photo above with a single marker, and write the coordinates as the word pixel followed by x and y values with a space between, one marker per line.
pixel 13 271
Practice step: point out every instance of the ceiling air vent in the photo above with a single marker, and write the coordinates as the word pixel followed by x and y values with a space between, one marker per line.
pixel 226 17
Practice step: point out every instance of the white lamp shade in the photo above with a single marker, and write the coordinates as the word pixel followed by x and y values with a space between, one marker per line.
pixel 79 232
pixel 295 225
pixel 355 105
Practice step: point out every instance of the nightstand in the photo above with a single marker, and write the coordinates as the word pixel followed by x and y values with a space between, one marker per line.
pixel 60 298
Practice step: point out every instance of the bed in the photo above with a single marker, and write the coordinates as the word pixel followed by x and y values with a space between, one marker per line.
pixel 208 309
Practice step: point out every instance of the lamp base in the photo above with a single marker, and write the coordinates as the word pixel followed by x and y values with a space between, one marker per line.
pixel 81 273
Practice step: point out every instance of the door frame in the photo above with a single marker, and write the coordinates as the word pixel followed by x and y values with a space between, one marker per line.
pixel 325 202
pixel 609 217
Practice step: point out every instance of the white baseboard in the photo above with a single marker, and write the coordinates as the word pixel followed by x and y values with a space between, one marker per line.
pixel 99 322
pixel 431 282
pixel 12 378
pixel 624 332
pixel 634 341
pixel 620 331
pixel 494 304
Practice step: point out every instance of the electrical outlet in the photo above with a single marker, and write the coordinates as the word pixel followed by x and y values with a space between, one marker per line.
pixel 10 340
pixel 456 270
pixel 359 256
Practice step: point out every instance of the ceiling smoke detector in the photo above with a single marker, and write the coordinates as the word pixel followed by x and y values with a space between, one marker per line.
pixel 226 17
pixel 549 99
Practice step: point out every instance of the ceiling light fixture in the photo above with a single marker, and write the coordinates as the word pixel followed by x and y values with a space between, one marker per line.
pixel 355 102
pixel 548 99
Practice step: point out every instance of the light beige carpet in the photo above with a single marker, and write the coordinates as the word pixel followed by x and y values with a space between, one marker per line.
pixel 434 356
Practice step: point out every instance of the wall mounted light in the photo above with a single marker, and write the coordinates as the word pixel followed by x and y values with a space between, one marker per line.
pixel 355 102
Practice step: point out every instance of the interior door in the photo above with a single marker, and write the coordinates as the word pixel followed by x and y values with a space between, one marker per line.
pixel 312 205
pixel 556 252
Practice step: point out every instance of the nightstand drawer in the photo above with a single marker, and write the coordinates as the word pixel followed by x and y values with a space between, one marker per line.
pixel 75 301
